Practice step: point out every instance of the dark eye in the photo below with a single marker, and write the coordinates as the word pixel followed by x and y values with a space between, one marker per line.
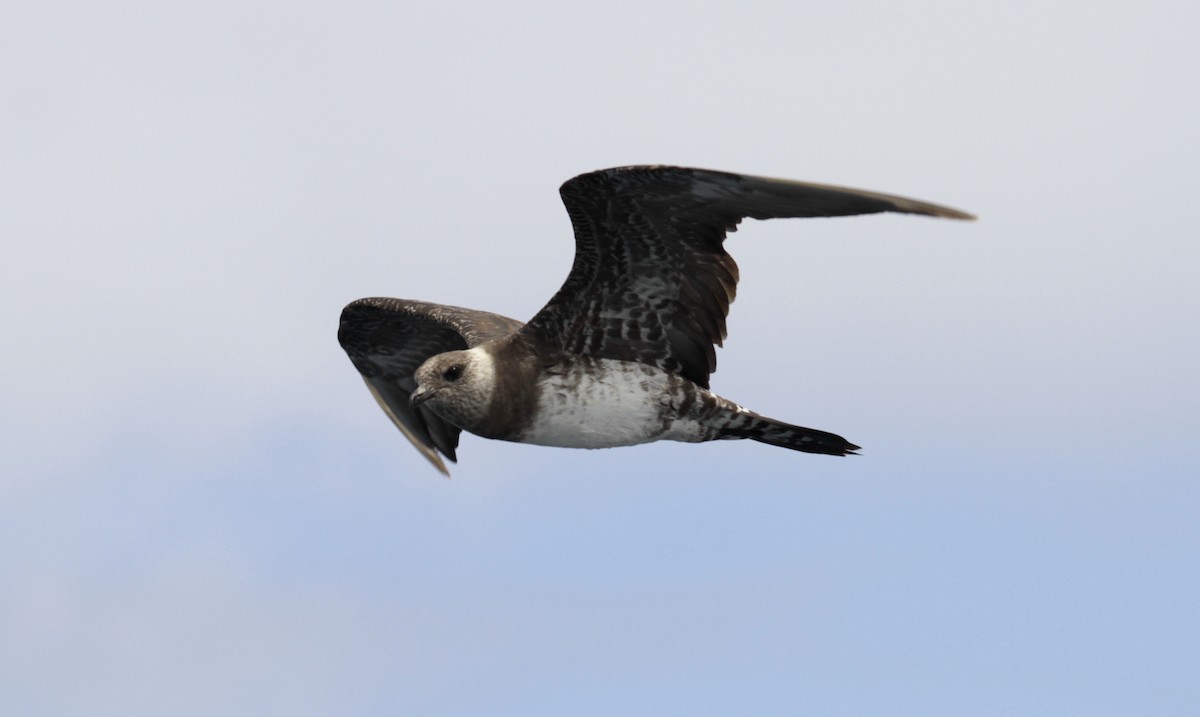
pixel 453 373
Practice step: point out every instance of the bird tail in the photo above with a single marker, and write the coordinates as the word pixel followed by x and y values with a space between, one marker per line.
pixel 777 433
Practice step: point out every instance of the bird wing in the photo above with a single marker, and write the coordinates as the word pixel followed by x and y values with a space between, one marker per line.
pixel 651 281
pixel 388 339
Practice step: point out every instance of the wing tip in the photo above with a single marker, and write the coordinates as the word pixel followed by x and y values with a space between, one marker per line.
pixel 430 452
pixel 437 462
pixel 904 205
pixel 951 213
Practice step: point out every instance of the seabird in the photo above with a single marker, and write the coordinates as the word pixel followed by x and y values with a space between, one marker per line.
pixel 622 354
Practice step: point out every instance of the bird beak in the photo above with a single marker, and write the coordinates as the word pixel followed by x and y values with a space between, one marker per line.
pixel 421 395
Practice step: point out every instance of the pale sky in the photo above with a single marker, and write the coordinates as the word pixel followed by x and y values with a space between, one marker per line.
pixel 202 511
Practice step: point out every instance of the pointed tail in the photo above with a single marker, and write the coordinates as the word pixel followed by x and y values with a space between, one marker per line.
pixel 777 433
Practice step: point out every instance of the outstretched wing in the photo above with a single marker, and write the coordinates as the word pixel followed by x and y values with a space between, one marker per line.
pixel 388 339
pixel 651 281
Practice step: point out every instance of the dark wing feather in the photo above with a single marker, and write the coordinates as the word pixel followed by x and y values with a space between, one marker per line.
pixel 388 339
pixel 651 280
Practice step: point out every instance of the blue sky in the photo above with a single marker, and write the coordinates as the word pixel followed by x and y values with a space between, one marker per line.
pixel 203 512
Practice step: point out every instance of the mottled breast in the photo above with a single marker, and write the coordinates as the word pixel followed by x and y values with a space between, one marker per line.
pixel 602 403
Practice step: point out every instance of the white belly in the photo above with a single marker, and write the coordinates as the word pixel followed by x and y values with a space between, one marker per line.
pixel 602 404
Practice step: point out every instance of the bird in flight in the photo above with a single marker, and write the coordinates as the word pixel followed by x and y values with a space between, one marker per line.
pixel 622 354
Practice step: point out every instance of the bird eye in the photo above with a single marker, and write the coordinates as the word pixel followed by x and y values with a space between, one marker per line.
pixel 453 373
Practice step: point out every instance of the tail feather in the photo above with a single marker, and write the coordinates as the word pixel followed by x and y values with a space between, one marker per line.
pixel 777 433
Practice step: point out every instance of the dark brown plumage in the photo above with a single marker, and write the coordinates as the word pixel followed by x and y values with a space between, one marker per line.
pixel 651 285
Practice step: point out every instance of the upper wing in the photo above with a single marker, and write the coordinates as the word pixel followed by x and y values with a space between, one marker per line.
pixel 651 281
pixel 388 339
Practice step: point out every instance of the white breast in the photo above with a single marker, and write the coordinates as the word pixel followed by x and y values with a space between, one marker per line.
pixel 601 404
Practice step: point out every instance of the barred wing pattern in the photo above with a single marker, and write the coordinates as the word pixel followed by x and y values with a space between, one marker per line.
pixel 651 281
